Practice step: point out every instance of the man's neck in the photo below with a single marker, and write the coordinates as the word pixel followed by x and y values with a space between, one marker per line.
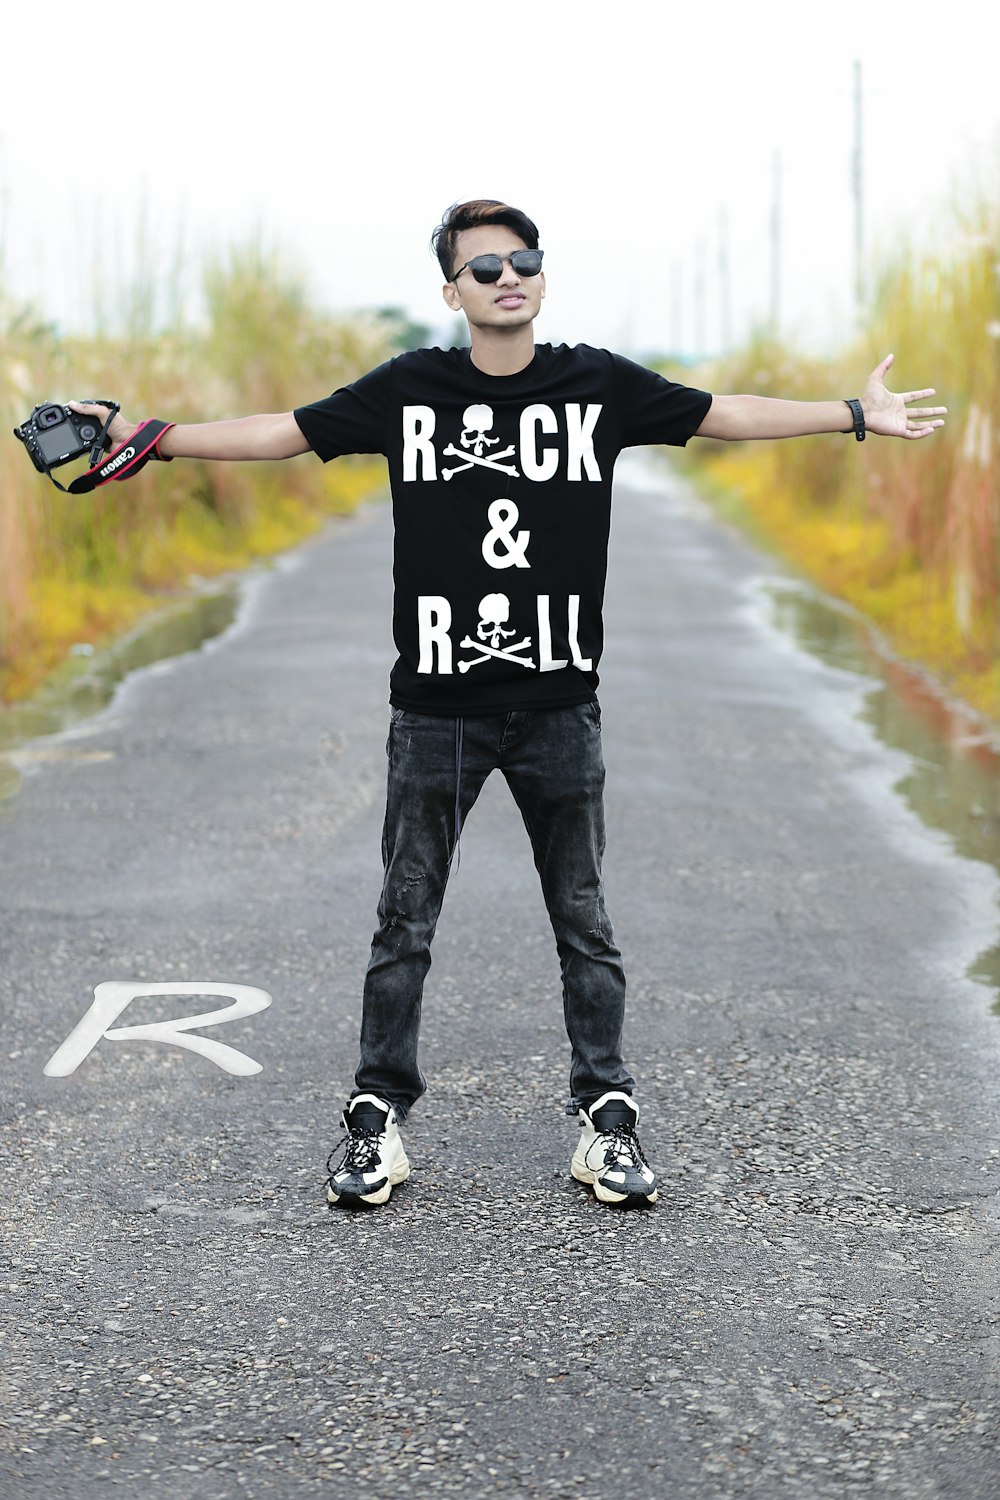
pixel 496 352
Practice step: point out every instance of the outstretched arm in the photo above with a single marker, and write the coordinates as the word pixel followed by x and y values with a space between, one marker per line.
pixel 886 413
pixel 270 435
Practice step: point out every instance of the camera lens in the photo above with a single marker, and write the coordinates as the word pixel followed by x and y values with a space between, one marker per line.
pixel 88 433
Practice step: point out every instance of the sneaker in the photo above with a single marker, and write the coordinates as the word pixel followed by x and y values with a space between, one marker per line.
pixel 609 1156
pixel 374 1161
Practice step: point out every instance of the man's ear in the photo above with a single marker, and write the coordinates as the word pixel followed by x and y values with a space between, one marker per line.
pixel 452 296
pixel 541 277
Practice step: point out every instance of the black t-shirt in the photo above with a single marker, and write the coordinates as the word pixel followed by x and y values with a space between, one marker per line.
pixel 501 495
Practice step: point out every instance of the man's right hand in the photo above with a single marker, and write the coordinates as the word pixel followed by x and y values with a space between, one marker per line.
pixel 121 428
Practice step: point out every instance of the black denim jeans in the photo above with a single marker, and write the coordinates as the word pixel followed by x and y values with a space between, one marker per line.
pixel 554 766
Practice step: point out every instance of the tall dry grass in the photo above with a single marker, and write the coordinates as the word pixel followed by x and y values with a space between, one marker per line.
pixel 81 567
pixel 909 532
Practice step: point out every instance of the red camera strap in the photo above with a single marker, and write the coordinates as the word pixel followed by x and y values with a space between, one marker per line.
pixel 127 459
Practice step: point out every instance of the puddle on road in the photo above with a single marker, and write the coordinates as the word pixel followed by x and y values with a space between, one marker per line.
pixel 954 783
pixel 85 683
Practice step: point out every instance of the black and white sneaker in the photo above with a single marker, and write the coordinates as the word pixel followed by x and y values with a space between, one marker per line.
pixel 374 1161
pixel 609 1156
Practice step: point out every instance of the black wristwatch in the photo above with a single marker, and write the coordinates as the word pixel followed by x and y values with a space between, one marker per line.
pixel 858 416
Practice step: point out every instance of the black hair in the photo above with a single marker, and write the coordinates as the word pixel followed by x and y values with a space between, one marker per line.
pixel 478 211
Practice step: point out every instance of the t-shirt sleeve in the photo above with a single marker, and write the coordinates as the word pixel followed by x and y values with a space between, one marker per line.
pixel 351 420
pixel 652 409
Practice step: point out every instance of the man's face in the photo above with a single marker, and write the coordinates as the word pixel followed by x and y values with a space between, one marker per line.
pixel 510 302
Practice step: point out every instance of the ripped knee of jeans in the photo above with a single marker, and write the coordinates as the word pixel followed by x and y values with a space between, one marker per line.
pixel 401 908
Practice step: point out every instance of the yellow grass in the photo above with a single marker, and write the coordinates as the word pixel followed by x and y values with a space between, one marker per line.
pixel 907 532
pixel 84 568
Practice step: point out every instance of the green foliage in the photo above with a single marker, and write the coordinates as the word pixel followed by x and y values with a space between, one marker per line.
pixel 402 331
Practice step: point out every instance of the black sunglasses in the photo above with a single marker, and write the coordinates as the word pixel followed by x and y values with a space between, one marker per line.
pixel 487 268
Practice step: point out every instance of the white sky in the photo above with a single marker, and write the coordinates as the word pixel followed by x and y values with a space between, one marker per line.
pixel 343 132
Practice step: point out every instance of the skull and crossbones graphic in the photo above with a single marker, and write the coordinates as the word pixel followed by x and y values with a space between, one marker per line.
pixel 494 611
pixel 477 422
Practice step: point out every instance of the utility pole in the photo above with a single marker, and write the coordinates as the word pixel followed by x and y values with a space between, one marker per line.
pixel 776 244
pixel 676 321
pixel 857 187
pixel 699 302
pixel 725 306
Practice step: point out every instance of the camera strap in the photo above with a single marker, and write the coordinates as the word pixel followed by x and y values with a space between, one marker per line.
pixel 127 459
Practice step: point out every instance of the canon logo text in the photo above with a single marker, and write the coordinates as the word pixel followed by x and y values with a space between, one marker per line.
pixel 116 463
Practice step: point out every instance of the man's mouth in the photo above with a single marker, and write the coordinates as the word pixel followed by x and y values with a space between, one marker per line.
pixel 511 299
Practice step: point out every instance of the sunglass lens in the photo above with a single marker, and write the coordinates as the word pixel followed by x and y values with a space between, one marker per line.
pixel 527 262
pixel 486 268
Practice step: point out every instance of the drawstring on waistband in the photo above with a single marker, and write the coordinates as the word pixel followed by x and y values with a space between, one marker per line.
pixel 456 852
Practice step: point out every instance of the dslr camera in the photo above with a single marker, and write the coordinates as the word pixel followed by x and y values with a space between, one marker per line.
pixel 54 435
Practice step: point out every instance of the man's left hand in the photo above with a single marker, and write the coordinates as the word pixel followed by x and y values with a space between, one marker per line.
pixel 890 415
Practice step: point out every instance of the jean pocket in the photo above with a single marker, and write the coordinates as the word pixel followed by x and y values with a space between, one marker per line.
pixel 395 714
pixel 594 712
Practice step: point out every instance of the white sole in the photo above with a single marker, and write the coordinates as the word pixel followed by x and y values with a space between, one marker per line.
pixel 603 1194
pixel 399 1173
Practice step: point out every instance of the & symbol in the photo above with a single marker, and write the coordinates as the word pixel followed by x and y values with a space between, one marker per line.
pixel 502 516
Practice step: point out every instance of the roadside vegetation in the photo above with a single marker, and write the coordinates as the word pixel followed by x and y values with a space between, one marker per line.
pixel 80 569
pixel 907 532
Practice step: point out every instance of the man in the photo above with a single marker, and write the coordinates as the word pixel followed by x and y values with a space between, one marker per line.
pixel 500 461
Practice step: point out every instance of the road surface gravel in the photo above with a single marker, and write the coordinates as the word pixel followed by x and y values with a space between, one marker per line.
pixel 810 1309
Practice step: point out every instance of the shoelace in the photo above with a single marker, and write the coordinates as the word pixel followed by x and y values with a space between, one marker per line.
pixel 622 1140
pixel 360 1153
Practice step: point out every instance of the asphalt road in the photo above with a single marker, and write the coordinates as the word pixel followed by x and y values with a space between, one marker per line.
pixel 810 1309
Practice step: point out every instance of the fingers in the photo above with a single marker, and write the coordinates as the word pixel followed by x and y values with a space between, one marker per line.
pixel 88 409
pixel 921 431
pixel 880 370
pixel 927 411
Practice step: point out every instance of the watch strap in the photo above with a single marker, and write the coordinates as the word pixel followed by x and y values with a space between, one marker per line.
pixel 858 417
